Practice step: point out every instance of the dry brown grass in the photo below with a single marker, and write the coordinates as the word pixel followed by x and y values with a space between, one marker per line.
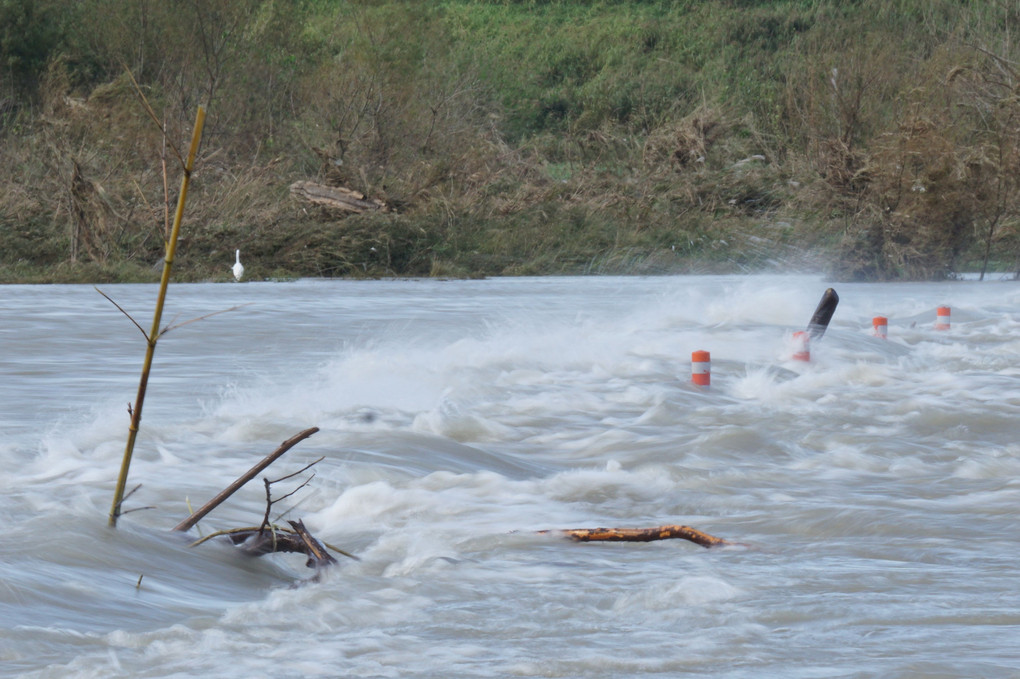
pixel 664 156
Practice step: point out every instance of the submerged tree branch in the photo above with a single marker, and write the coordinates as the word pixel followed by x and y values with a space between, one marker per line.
pixel 267 542
pixel 243 479
pixel 173 325
pixel 129 317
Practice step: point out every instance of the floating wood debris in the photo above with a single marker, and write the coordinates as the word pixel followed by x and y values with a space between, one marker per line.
pixel 667 532
pixel 268 538
pixel 336 197
pixel 243 479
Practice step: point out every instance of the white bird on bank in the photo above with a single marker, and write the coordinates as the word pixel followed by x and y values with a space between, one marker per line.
pixel 238 268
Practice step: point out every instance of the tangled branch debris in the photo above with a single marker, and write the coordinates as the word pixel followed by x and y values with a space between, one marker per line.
pixel 265 540
pixel 212 504
pixel 268 538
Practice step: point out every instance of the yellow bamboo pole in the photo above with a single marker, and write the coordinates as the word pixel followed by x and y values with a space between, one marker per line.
pixel 171 249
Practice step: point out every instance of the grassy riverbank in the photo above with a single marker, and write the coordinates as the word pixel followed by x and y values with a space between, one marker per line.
pixel 872 140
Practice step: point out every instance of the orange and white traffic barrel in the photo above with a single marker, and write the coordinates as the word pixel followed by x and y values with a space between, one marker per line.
pixel 801 346
pixel 881 326
pixel 942 318
pixel 701 368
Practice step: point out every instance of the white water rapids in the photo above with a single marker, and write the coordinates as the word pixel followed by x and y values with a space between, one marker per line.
pixel 875 489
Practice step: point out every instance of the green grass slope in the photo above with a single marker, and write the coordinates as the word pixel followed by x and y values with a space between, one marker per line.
pixel 869 139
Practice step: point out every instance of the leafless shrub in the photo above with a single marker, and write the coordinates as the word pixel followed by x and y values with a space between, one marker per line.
pixel 687 142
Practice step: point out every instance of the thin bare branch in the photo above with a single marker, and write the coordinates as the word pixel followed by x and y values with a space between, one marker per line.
pixel 166 185
pixel 152 114
pixel 296 505
pixel 303 484
pixel 269 503
pixel 126 496
pixel 136 509
pixel 269 495
pixel 303 469
pixel 243 479
pixel 172 326
pixel 140 329
pixel 131 492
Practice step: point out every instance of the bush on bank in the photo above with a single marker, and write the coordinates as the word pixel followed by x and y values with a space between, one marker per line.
pixel 871 139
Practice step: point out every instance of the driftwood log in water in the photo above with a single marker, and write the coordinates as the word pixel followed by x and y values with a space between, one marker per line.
pixel 641 535
pixel 336 197
pixel 316 552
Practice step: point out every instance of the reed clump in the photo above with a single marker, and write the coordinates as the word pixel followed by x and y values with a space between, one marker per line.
pixel 510 138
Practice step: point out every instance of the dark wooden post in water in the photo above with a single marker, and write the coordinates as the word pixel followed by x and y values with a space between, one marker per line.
pixel 823 314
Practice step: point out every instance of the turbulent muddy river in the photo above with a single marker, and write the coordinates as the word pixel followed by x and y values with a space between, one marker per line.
pixel 873 490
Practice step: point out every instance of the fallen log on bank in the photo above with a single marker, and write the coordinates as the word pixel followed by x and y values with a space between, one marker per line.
pixel 336 197
pixel 641 535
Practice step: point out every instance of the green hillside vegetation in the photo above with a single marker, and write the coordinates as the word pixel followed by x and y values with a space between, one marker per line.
pixel 870 139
